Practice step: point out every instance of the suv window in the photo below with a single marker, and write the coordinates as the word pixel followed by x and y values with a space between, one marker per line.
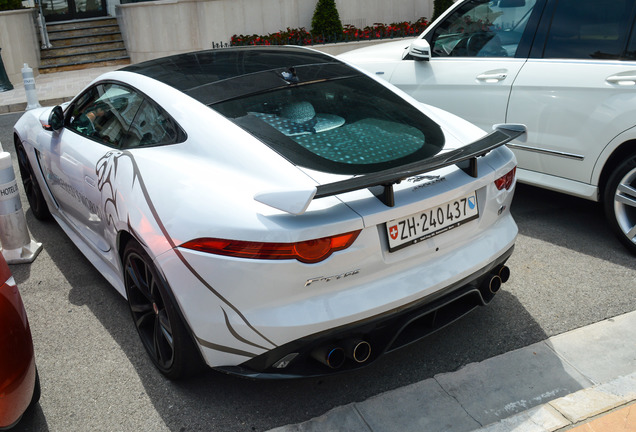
pixel 587 29
pixel 482 28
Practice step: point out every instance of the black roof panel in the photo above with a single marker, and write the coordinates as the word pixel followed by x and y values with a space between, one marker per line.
pixel 188 71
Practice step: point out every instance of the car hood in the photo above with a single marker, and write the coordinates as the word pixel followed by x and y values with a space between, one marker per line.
pixel 391 51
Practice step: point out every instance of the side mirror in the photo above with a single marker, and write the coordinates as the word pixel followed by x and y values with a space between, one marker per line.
pixel 56 119
pixel 419 50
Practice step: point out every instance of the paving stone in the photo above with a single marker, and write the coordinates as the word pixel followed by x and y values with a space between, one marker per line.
pixel 344 418
pixel 593 401
pixel 543 418
pixel 502 386
pixel 586 348
pixel 423 406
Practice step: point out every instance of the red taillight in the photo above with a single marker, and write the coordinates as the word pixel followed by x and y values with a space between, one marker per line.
pixel 309 251
pixel 506 181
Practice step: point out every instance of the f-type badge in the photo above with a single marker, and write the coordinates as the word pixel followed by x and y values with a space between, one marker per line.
pixel 331 278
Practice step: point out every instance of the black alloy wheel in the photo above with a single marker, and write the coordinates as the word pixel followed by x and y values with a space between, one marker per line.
pixel 156 318
pixel 620 202
pixel 31 187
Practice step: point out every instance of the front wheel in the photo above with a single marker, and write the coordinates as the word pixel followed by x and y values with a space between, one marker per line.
pixel 620 202
pixel 160 327
pixel 31 187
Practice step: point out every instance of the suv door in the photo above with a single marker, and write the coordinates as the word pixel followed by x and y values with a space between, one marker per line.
pixel 479 47
pixel 576 93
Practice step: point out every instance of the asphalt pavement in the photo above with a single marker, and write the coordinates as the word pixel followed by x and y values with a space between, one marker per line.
pixel 560 382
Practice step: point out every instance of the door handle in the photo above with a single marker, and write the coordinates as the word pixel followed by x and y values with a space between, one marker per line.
pixel 493 77
pixel 628 79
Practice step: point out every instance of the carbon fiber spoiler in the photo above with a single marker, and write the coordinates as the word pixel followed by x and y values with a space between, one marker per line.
pixel 381 183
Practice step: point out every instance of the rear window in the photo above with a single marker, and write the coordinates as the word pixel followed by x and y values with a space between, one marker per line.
pixel 343 125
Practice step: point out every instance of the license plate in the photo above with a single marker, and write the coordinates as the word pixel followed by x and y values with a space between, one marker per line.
pixel 417 227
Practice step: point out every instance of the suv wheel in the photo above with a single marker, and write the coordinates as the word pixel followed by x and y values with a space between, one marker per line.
pixel 620 202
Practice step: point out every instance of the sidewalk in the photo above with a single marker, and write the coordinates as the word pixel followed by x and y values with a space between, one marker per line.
pixel 582 381
pixel 52 89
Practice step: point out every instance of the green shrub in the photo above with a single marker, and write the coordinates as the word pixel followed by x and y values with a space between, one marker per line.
pixel 10 5
pixel 440 6
pixel 326 20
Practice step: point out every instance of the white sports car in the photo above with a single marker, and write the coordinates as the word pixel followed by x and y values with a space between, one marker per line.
pixel 273 212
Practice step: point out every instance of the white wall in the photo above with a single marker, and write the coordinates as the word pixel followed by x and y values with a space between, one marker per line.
pixel 19 42
pixel 158 28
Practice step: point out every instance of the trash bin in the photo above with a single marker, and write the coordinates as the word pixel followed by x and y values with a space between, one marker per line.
pixel 5 84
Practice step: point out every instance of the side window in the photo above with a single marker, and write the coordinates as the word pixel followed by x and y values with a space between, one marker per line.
pixel 631 48
pixel 104 113
pixel 152 126
pixel 588 29
pixel 482 28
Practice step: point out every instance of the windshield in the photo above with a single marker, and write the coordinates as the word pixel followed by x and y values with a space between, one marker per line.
pixel 349 125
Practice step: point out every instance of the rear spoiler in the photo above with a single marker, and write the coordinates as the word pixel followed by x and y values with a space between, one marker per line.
pixel 381 183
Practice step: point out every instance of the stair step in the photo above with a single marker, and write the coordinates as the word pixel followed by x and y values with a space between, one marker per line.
pixel 82 44
pixel 78 24
pixel 83 32
pixel 84 65
pixel 81 49
pixel 83 40
pixel 84 57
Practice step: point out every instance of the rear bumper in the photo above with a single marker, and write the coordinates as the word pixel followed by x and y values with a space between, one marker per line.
pixel 380 334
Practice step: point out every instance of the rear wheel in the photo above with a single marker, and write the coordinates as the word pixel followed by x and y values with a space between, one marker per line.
pixel 31 187
pixel 160 327
pixel 620 202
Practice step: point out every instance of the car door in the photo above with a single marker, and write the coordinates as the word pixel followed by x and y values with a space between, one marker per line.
pixel 95 124
pixel 577 92
pixel 477 51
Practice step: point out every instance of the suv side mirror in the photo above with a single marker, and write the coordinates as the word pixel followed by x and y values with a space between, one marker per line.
pixel 56 119
pixel 419 50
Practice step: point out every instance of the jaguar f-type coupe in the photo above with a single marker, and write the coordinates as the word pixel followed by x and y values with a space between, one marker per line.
pixel 274 212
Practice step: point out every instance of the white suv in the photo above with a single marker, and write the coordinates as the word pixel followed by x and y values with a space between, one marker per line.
pixel 564 68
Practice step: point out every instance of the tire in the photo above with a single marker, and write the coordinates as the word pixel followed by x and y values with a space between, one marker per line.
pixel 156 317
pixel 620 202
pixel 37 390
pixel 32 189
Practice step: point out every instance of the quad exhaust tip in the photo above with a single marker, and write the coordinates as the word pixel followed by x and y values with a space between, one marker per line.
pixel 497 277
pixel 335 356
pixel 358 350
pixel 494 284
pixel 504 273
pixel 332 356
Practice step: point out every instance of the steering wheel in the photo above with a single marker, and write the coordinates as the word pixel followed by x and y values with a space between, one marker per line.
pixel 476 42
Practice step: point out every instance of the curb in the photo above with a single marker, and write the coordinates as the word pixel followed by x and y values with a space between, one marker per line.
pixel 548 386
pixel 572 409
